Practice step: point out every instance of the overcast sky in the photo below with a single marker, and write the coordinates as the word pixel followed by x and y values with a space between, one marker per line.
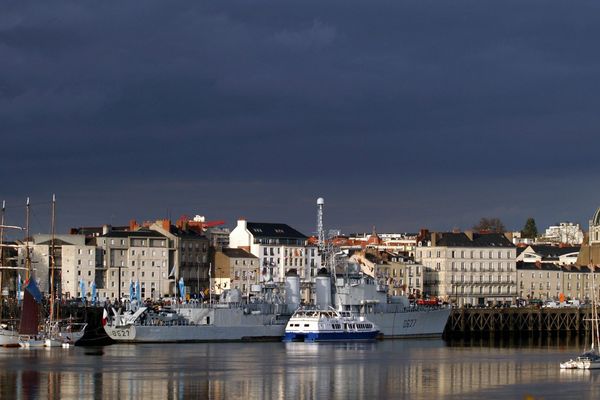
pixel 401 114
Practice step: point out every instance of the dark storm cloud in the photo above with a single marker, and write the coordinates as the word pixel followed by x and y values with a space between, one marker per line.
pixel 404 114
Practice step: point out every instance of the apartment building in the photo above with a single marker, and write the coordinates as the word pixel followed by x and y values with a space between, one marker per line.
pixel 74 261
pixel 278 247
pixel 236 269
pixel 129 256
pixel 469 268
pixel 188 253
pixel 402 275
pixel 547 281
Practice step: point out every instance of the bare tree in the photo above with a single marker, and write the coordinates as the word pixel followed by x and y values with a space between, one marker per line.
pixel 490 225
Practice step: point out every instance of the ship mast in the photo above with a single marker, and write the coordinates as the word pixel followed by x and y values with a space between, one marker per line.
pixel 1 245
pixel 27 254
pixel 52 264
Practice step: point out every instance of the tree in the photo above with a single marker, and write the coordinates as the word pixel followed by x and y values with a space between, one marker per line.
pixel 530 229
pixel 490 225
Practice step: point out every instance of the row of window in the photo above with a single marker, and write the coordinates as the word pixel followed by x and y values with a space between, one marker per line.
pixel 138 242
pixel 578 276
pixel 481 267
pixel 288 262
pixel 245 275
pixel 89 273
pixel 490 278
pixel 272 241
pixel 271 251
pixel 152 263
pixel 191 245
pixel 469 254
pixel 479 290
pixel 251 262
pixel 142 274
pixel 142 285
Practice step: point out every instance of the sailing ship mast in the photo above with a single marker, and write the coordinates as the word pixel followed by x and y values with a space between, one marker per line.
pixel 594 313
pixel 594 319
pixel 1 245
pixel 27 253
pixel 52 264
pixel 595 325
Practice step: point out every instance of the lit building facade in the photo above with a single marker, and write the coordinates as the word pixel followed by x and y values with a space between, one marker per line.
pixel 469 268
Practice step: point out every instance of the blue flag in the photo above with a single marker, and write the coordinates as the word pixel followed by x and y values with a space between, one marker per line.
pixel 82 288
pixel 182 289
pixel 131 291
pixel 33 290
pixel 93 288
pixel 138 291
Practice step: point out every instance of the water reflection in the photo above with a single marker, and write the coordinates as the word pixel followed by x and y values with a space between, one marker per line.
pixel 390 369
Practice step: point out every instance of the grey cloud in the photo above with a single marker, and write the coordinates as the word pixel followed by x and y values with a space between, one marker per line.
pixel 398 98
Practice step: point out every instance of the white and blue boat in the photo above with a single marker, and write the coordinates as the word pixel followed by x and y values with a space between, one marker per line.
pixel 319 325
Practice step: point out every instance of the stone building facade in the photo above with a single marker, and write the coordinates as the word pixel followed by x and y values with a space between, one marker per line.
pixel 469 268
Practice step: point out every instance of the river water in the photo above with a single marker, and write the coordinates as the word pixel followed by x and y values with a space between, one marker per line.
pixel 393 369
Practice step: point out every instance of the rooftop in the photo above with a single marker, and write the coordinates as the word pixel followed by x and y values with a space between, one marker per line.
pixel 460 239
pixel 260 229
pixel 553 252
pixel 138 233
pixel 237 253
pixel 538 266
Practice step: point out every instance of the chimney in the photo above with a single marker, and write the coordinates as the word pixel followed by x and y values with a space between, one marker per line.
pixel 433 239
pixel 106 229
pixel 166 224
pixel 133 225
pixel 469 235
pixel 241 222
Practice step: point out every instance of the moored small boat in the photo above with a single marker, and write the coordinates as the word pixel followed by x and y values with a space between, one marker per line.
pixel 8 337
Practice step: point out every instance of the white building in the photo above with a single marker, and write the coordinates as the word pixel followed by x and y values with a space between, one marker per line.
pixel 278 247
pixel 74 260
pixel 548 254
pixel 565 232
pixel 469 268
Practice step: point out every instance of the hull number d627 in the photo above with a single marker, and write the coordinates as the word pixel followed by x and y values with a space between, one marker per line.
pixel 409 323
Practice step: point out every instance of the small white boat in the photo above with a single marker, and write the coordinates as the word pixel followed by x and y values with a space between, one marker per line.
pixel 589 360
pixel 32 342
pixel 307 325
pixel 8 337
pixel 54 342
pixel 72 332
pixel 58 333
pixel 571 364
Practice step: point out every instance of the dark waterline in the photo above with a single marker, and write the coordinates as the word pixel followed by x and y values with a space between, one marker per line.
pixel 412 369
